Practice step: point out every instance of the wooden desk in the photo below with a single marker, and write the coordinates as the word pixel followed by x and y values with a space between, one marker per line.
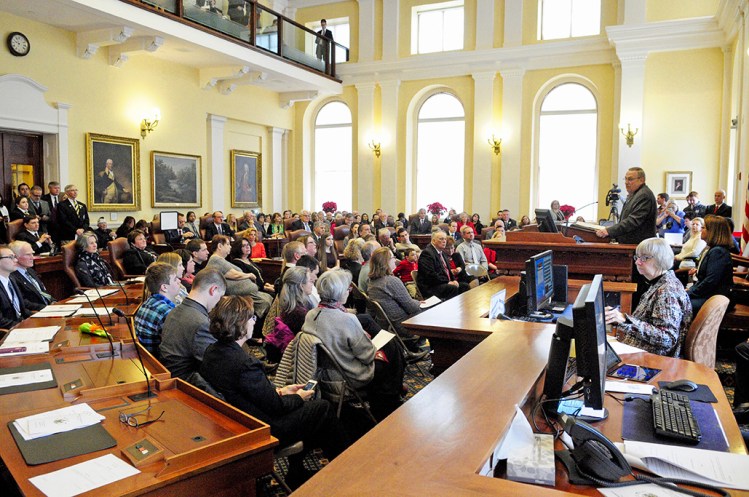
pixel 274 246
pixel 456 326
pixel 52 274
pixel 438 441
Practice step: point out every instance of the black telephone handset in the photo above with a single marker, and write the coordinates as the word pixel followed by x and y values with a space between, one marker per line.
pixel 595 456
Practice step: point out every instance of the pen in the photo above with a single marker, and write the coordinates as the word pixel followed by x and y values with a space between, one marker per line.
pixel 12 350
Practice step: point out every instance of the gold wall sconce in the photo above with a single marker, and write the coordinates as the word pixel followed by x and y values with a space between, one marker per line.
pixel 149 123
pixel 376 148
pixel 629 136
pixel 496 144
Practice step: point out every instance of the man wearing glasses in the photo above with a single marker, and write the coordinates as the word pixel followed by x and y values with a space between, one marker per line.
pixel 12 308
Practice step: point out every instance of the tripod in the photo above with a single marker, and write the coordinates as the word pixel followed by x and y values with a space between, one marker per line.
pixel 614 213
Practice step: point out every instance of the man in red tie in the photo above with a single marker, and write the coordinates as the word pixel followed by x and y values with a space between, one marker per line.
pixel 434 276
pixel 719 208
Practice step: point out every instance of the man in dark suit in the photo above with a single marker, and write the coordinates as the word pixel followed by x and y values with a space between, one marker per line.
pixel 40 242
pixel 180 235
pixel 323 47
pixel 510 223
pixel 719 208
pixel 434 276
pixel 41 208
pixel 12 308
pixel 53 198
pixel 218 227
pixel 318 230
pixel 420 225
pixel 72 216
pixel 302 223
pixel 33 292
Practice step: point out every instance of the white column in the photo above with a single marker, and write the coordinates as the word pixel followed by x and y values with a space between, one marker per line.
pixel 364 200
pixel 726 171
pixel 484 24
pixel 483 155
pixel 389 177
pixel 631 111
pixel 390 27
pixel 513 23
pixel 366 30
pixel 63 165
pixel 273 171
pixel 512 121
pixel 217 177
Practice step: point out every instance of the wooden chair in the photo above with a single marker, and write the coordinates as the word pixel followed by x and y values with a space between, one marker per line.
pixel 117 249
pixel 701 342
pixel 287 224
pixel 68 262
pixel 339 235
pixel 14 227
pixel 202 225
pixel 384 321
pixel 414 275
pixel 157 236
pixel 293 235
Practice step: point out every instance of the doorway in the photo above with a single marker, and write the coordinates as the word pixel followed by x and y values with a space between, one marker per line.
pixel 20 162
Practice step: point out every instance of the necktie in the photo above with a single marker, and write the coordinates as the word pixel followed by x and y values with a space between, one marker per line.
pixel 220 230
pixel 13 298
pixel 54 201
pixel 36 234
pixel 38 288
pixel 77 208
pixel 716 210
pixel 444 266
pixel 476 255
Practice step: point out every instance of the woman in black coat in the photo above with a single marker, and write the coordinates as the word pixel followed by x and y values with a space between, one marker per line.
pixel 714 274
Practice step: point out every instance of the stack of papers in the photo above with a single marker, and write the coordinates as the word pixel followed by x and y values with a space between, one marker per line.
pixel 84 476
pixel 26 378
pixel 57 311
pixel 96 293
pixel 57 421
pixel 88 311
pixel 24 341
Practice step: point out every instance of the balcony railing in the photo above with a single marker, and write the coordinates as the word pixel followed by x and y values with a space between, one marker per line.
pixel 251 24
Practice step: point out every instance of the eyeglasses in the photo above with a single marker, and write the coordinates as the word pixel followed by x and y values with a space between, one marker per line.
pixel 642 258
pixel 132 420
pixel 13 256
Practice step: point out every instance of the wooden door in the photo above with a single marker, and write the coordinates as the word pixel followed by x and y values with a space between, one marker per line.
pixel 21 162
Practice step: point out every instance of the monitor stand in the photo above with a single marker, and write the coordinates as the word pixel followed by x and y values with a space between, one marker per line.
pixel 540 315
pixel 576 408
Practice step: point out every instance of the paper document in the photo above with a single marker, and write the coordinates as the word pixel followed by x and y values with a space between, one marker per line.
pixel 433 300
pixel 22 335
pixel 622 348
pixel 95 293
pixel 629 387
pixel 707 466
pixel 88 311
pixel 587 226
pixel 78 300
pixel 26 348
pixel 646 490
pixel 61 307
pixel 57 421
pixel 25 378
pixel 83 477
pixel 382 338
pixel 142 279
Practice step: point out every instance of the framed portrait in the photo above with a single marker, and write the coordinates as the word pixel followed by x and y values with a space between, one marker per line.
pixel 678 184
pixel 175 180
pixel 113 173
pixel 246 170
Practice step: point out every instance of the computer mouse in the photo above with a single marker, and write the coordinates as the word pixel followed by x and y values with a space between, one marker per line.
pixel 681 385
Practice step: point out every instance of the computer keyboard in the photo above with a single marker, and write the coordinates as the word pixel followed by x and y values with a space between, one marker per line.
pixel 672 417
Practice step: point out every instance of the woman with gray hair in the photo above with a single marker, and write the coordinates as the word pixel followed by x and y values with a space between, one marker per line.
pixel 660 322
pixel 90 268
pixel 379 371
pixel 293 305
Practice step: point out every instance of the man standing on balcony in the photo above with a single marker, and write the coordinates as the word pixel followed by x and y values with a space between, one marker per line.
pixel 322 46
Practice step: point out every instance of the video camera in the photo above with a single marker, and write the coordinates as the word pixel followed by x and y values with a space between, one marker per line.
pixel 613 195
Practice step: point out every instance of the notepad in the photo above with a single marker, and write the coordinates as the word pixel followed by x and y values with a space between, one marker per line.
pixel 25 335
pixel 84 476
pixel 57 421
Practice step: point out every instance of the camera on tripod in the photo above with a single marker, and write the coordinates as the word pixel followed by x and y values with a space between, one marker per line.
pixel 612 197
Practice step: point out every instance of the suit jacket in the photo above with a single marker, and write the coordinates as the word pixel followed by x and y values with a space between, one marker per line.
pixel 173 236
pixel 431 271
pixel 43 211
pixel 298 225
pixel 638 218
pixel 211 230
pixel 510 224
pixel 31 239
pixel 416 227
pixel 32 299
pixel 68 221
pixel 48 198
pixel 724 210
pixel 137 261
pixel 714 275
pixel 8 317
pixel 16 213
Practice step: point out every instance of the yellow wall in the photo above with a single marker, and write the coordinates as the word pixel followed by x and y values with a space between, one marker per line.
pixel 110 101
pixel 683 93
pixel 664 10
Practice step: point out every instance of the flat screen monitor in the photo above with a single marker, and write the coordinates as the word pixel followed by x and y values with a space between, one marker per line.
pixel 590 341
pixel 539 275
pixel 546 221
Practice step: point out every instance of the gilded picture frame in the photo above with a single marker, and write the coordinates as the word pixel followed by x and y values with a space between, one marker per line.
pixel 112 173
pixel 175 180
pixel 246 179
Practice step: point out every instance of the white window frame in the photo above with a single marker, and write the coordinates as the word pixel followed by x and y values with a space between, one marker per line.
pixel 441 6
pixel 315 127
pixel 572 21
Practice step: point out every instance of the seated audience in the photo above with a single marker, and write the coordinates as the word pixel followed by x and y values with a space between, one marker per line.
pixel 420 225
pixel 33 292
pixel 720 207
pixel 524 221
pixel 185 335
pixel 435 220
pixel 90 269
pixel 191 224
pixel 452 231
pixel 310 245
pixel 477 226
pixel 435 277
pixel 464 221
pixel 660 322
pixel 670 219
pixel 366 252
pixel 693 247
pixel 294 303
pixel 714 275
pixel 240 257
pixel 291 412
pixel 263 225
pixel 143 226
pixel 128 224
pixel 303 223
pixel 40 242
pixel 231 220
pixel 103 234
pixel 257 247
pixel 404 243
pixel 458 266
pixel 237 282
pixel 189 264
pixel 139 256
pixel 276 226
pixel 558 214
pixel 175 260
pixel 352 258
pixel 510 224
pixel 365 230
pixel 12 307
pixel 405 267
pixel 327 255
pixel 181 234
pixel 218 227
pixel 313 265
pixel 499 231
pixel 694 207
pixel 199 251
pixel 352 347
pixel 385 239
pixel 21 209
pixel 471 250
pixel 352 234
pixel 163 285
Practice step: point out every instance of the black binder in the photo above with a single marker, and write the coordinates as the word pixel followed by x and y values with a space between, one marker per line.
pixel 62 445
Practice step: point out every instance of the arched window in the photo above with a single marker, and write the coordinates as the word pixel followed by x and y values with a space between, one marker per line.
pixel 440 152
pixel 333 156
pixel 567 148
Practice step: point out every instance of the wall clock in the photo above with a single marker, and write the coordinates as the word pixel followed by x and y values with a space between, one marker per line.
pixel 18 44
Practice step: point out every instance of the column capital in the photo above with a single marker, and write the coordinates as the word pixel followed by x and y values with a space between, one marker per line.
pixel 512 73
pixel 484 76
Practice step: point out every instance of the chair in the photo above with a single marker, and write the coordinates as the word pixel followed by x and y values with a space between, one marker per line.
pixel 339 235
pixel 382 318
pixel 202 225
pixel 701 342
pixel 414 274
pixel 287 451
pixel 157 236
pixel 117 249
pixel 287 224
pixel 487 233
pixel 14 227
pixel 293 235
pixel 68 262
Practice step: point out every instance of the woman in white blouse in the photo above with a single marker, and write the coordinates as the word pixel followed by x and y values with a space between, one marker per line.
pixel 694 246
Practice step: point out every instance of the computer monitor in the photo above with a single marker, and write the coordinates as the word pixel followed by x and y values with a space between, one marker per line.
pixel 546 221
pixel 539 280
pixel 590 341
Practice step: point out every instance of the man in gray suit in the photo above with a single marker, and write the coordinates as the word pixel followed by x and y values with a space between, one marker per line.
pixel 41 207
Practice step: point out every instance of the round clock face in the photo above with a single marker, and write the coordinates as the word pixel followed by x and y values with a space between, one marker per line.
pixel 18 44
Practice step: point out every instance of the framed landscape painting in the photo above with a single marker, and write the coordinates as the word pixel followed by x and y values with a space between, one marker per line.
pixel 678 184
pixel 175 179
pixel 113 173
pixel 246 174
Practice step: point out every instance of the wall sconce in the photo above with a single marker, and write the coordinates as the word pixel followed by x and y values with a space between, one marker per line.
pixel 629 136
pixel 495 144
pixel 149 124
pixel 375 147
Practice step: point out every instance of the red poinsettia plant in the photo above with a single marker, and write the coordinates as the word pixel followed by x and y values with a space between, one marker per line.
pixel 329 207
pixel 567 210
pixel 436 208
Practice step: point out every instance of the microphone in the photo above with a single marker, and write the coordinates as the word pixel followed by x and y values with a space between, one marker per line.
pixel 109 315
pixel 122 289
pixel 121 314
pixel 101 323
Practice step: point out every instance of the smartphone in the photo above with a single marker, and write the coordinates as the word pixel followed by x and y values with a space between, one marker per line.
pixel 634 373
pixel 310 385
